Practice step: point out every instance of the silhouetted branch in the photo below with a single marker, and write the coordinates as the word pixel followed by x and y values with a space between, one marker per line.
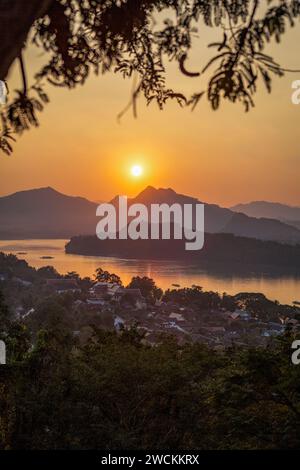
pixel 23 73
pixel 87 37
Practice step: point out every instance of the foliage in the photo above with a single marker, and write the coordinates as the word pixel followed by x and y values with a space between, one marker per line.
pixel 147 286
pixel 136 38
pixel 4 312
pixel 48 272
pixel 104 276
pixel 193 297
pixel 115 392
pixel 11 266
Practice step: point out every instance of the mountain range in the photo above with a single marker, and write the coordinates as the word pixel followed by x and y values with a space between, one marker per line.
pixel 47 213
pixel 272 210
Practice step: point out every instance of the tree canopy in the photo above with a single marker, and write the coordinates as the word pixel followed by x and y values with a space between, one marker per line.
pixel 105 276
pixel 147 286
pixel 137 38
pixel 115 392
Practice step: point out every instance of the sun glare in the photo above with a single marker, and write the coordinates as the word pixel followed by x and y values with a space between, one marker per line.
pixel 136 170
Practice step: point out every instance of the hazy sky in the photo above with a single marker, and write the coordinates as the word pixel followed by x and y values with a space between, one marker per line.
pixel 224 157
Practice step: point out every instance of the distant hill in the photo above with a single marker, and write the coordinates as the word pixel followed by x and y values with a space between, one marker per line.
pixel 271 210
pixel 47 213
pixel 222 220
pixel 216 217
pixel 224 251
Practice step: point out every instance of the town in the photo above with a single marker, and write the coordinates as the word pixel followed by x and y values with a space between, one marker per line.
pixel 187 314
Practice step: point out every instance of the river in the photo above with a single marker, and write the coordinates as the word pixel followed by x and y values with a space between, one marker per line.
pixel 285 289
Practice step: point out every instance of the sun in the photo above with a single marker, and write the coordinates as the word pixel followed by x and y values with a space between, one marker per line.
pixel 136 170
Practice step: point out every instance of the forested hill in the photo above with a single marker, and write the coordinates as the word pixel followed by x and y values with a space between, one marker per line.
pixel 224 250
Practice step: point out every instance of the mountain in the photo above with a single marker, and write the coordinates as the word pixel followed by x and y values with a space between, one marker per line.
pixel 45 213
pixel 222 220
pixel 271 210
pixel 263 229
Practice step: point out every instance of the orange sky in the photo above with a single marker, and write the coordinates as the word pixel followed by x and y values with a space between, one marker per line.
pixel 224 157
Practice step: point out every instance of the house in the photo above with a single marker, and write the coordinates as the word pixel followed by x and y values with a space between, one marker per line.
pixel 176 316
pixel 108 291
pixel 100 293
pixel 103 290
pixel 130 297
pixel 63 285
pixel 95 302
pixel 231 315
pixel 243 314
pixel 99 290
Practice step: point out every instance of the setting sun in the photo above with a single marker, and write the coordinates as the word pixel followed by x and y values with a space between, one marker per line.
pixel 136 170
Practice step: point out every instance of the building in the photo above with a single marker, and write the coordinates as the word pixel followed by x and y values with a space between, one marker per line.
pixel 130 298
pixel 176 316
pixel 103 290
pixel 63 285
pixel 243 314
